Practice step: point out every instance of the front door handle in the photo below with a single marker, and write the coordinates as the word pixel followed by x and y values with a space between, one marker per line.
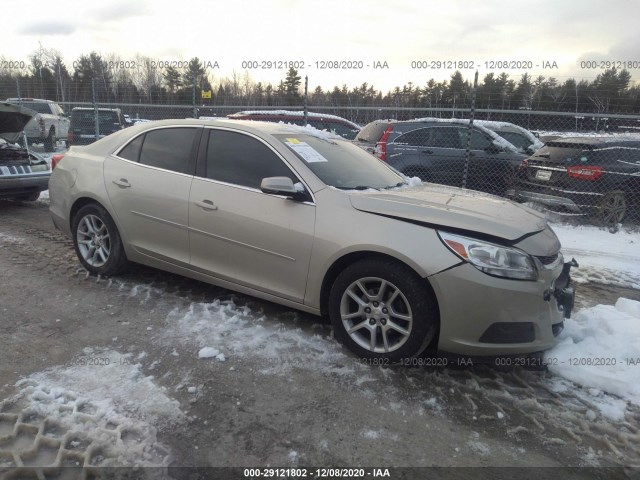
pixel 206 205
pixel 123 182
pixel 427 151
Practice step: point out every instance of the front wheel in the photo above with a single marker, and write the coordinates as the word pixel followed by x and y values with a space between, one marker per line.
pixel 382 309
pixel 97 241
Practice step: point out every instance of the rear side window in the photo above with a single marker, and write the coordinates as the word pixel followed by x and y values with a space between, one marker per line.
pixel 242 160
pixel 169 148
pixel 132 150
pixel 438 137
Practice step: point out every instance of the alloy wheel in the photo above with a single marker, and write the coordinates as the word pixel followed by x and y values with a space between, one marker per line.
pixel 94 241
pixel 376 314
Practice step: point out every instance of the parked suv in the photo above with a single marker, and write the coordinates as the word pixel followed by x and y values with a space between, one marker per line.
pixel 82 130
pixel 332 123
pixel 49 123
pixel 584 175
pixel 23 174
pixel 435 150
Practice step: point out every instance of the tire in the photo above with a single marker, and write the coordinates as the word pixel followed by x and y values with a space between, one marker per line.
pixel 97 241
pixel 611 210
pixel 28 197
pixel 50 141
pixel 403 302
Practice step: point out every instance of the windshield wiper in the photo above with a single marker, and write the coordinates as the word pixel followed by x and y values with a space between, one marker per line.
pixel 399 184
pixel 359 187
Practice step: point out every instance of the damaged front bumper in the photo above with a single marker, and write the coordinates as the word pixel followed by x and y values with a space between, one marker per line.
pixel 563 293
pixel 484 315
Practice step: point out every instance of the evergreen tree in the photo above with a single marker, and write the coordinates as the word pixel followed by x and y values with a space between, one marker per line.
pixel 292 85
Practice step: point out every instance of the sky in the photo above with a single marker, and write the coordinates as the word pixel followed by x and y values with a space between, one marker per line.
pixel 409 40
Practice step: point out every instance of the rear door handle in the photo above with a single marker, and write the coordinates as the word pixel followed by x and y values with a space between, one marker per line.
pixel 206 205
pixel 123 182
pixel 427 151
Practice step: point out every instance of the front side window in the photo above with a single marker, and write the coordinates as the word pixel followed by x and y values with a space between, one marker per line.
pixel 479 141
pixel 516 139
pixel 242 160
pixel 169 148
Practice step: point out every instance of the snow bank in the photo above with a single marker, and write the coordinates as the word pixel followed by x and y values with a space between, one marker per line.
pixel 101 406
pixel 600 349
pixel 599 251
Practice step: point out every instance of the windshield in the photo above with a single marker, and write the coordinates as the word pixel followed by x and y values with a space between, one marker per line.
pixel 341 164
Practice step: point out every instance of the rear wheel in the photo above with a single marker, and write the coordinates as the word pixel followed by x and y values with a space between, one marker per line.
pixel 382 309
pixel 50 141
pixel 612 209
pixel 97 241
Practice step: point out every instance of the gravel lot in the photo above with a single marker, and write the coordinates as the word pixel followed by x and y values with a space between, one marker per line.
pixel 106 372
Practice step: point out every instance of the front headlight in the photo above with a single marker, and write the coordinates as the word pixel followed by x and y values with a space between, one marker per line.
pixel 492 259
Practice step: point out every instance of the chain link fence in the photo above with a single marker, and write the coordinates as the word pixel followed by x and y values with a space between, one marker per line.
pixel 580 165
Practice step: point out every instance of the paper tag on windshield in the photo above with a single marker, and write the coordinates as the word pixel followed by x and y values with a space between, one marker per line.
pixel 305 150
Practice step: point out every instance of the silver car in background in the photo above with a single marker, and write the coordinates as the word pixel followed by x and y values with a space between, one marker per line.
pixel 305 219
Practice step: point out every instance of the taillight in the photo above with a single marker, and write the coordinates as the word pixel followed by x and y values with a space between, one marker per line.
pixel 55 160
pixel 381 145
pixel 585 173
pixel 524 164
pixel 70 137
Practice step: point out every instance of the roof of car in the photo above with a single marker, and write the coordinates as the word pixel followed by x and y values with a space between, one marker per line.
pixel 291 113
pixel 255 127
pixel 22 99
pixel 91 109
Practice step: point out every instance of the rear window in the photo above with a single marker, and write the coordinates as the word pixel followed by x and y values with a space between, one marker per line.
pixel 371 133
pixel 86 119
pixel 566 153
pixel 39 107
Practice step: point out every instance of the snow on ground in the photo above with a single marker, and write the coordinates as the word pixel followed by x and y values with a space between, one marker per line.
pixel 604 257
pixel 240 332
pixel 44 197
pixel 100 406
pixel 599 349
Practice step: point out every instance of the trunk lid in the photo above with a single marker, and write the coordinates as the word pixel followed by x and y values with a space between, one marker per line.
pixel 13 120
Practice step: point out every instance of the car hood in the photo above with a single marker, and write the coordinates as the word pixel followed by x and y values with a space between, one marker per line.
pixel 13 119
pixel 455 208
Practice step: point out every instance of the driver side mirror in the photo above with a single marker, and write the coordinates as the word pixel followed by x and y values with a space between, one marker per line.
pixel 282 186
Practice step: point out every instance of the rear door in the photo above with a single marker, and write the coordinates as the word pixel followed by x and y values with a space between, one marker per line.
pixel 237 232
pixel 148 184
pixel 432 153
